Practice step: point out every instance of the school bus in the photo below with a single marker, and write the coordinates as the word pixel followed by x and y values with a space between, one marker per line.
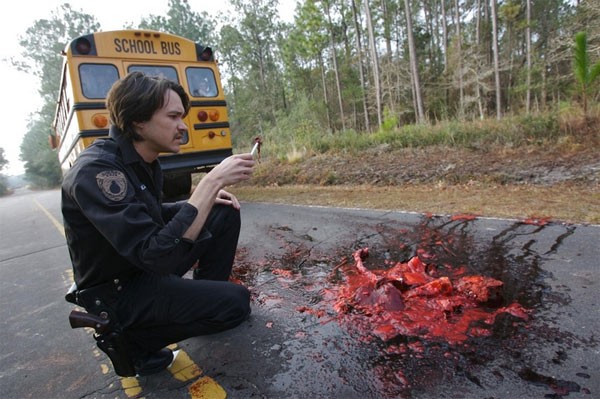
pixel 93 62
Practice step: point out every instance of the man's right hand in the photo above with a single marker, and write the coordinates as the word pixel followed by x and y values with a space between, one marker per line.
pixel 232 170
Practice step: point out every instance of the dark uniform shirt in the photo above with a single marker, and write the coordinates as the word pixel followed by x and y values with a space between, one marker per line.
pixel 115 223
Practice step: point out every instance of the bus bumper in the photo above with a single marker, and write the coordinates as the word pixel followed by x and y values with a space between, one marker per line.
pixel 192 161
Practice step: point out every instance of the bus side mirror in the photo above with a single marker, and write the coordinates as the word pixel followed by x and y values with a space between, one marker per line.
pixel 53 141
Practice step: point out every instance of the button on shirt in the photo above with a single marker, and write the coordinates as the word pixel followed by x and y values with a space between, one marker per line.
pixel 115 223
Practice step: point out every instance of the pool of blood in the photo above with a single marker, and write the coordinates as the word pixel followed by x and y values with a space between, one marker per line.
pixel 435 300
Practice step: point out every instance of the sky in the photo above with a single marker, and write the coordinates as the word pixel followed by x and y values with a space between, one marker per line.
pixel 20 97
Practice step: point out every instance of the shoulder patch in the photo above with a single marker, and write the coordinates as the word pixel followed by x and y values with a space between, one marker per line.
pixel 113 184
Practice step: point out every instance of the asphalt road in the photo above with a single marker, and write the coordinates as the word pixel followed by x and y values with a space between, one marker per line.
pixel 295 345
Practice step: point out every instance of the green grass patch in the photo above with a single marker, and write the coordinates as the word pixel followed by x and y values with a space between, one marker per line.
pixel 294 138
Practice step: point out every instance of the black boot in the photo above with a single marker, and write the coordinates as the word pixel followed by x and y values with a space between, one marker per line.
pixel 154 362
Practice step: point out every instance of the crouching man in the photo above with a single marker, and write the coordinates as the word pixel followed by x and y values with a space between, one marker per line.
pixel 129 250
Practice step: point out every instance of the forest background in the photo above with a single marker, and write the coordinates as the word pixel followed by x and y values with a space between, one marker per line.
pixel 478 95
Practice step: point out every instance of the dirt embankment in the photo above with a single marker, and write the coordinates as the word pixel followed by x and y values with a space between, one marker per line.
pixel 381 166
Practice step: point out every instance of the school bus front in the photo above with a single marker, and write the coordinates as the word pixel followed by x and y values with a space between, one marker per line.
pixel 94 62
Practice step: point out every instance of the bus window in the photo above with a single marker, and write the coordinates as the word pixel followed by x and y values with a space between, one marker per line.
pixel 97 79
pixel 202 82
pixel 153 70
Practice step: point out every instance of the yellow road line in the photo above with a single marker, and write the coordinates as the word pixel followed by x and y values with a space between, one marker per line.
pixel 55 222
pixel 207 388
pixel 183 368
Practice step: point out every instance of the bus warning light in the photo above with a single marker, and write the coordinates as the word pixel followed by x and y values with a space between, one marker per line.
pixel 202 116
pixel 213 115
pixel 99 120
pixel 206 54
pixel 83 46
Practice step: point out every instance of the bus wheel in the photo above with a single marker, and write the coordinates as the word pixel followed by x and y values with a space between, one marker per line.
pixel 177 187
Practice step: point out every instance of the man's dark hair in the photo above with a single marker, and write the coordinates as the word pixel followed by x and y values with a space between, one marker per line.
pixel 136 97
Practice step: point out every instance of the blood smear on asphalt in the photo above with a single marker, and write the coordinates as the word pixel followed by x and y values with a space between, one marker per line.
pixel 414 299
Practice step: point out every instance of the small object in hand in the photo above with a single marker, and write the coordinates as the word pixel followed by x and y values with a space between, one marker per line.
pixel 256 149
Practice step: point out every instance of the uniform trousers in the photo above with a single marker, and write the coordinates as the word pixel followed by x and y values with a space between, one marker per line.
pixel 157 310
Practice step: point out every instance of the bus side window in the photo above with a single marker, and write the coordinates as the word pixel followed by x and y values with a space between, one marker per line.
pixel 97 79
pixel 201 82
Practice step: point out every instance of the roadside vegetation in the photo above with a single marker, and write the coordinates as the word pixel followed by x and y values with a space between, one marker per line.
pixel 3 185
pixel 290 142
pixel 541 168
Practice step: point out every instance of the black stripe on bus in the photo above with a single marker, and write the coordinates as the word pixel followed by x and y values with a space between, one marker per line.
pixel 216 125
pixel 210 103
pixel 87 106
pixel 85 134
pixel 190 161
pixel 93 133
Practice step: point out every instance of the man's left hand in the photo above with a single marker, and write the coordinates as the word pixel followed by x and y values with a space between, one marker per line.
pixel 226 198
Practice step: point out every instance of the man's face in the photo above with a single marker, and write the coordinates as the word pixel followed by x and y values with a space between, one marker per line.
pixel 164 131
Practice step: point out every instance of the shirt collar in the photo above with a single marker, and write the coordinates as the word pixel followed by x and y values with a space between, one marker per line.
pixel 130 155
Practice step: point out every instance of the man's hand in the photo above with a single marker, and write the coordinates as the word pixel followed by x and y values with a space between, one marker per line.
pixel 209 191
pixel 232 170
pixel 226 198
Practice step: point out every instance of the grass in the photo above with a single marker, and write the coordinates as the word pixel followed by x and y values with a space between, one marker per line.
pixel 291 139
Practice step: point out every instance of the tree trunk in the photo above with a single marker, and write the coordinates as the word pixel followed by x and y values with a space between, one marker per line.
pixel 335 67
pixel 478 23
pixel 359 52
pixel 375 58
pixel 420 114
pixel 386 28
pixel 459 66
pixel 429 24
pixel 528 38
pixel 444 33
pixel 325 92
pixel 496 59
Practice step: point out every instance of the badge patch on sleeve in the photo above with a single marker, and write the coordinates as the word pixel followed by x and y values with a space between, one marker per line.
pixel 113 184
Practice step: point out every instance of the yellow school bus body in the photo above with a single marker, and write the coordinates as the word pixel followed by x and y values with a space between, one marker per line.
pixel 94 62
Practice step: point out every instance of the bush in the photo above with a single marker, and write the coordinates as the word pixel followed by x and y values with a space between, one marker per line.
pixel 297 136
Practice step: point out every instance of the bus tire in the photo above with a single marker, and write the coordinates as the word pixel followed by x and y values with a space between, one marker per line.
pixel 177 186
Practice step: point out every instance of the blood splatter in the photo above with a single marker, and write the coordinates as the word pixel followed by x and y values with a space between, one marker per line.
pixel 438 304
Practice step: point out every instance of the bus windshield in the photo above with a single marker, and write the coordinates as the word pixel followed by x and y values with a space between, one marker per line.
pixel 155 70
pixel 201 81
pixel 97 79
